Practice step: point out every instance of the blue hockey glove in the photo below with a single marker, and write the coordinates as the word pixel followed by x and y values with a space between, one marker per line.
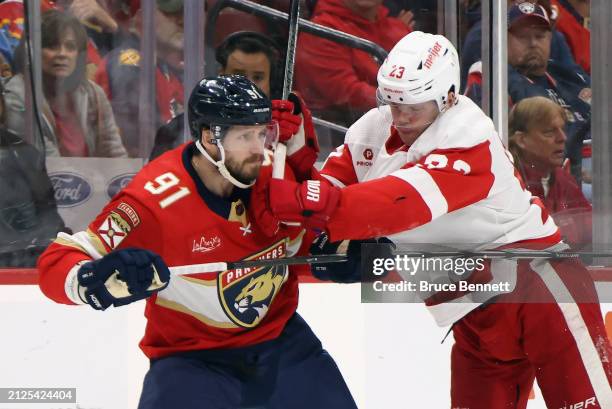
pixel 121 277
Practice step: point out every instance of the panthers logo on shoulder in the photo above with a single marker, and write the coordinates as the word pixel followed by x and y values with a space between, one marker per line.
pixel 129 56
pixel 246 294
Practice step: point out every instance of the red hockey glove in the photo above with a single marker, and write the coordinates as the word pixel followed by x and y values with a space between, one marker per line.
pixel 288 123
pixel 259 210
pixel 311 202
pixel 297 132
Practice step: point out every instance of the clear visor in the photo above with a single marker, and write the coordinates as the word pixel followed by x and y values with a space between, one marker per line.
pixel 253 139
pixel 408 117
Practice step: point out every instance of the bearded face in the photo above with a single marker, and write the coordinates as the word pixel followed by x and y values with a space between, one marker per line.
pixel 244 149
pixel 529 49
pixel 245 170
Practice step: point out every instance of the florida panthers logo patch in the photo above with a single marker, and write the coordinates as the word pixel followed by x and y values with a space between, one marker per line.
pixel 246 294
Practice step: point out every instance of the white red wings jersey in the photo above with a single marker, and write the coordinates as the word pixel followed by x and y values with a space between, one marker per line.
pixel 168 210
pixel 455 185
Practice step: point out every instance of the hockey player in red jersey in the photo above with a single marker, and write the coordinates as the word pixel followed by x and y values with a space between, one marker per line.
pixel 427 166
pixel 215 340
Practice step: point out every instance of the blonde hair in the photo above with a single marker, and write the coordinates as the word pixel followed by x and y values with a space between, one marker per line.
pixel 528 114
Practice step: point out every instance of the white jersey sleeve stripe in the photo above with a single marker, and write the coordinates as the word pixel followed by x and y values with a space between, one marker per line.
pixel 81 240
pixel 579 330
pixel 425 185
pixel 333 180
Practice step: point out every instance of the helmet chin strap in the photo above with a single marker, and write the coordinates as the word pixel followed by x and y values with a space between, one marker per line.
pixel 221 166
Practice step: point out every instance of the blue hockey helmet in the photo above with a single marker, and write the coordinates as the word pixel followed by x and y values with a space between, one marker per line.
pixel 226 101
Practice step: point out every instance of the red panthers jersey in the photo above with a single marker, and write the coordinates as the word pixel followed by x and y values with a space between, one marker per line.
pixel 167 209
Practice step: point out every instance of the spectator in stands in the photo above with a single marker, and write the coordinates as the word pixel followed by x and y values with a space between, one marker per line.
pixel 531 73
pixel 254 55
pixel 537 140
pixel 120 72
pixel 337 81
pixel 94 16
pixel 472 45
pixel 28 214
pixel 421 15
pixel 76 117
pixel 91 13
pixel 248 53
pixel 573 22
pixel 101 28
pixel 11 27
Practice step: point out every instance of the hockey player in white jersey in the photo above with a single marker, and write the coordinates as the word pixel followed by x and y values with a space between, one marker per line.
pixel 427 166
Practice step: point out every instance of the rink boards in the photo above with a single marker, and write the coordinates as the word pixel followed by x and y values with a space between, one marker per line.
pixel 390 354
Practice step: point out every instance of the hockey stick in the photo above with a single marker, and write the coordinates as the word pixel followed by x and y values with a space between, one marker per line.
pixel 280 153
pixel 504 254
pixel 340 258
pixel 229 265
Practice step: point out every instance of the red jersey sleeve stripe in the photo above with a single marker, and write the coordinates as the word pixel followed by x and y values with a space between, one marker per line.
pixel 340 164
pixel 377 208
pixel 443 181
pixel 466 176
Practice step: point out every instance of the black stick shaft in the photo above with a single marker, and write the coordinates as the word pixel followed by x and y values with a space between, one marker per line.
pixel 340 258
pixel 326 258
pixel 294 16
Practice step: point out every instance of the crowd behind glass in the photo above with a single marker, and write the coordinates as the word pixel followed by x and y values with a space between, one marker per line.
pixel 91 64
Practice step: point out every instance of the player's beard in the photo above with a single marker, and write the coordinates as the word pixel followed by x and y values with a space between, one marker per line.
pixel 245 171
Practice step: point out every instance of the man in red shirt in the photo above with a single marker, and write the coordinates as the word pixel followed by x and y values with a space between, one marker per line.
pixel 536 139
pixel 573 22
pixel 339 82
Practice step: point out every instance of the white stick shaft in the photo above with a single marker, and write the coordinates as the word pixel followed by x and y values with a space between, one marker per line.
pixel 278 167
pixel 199 268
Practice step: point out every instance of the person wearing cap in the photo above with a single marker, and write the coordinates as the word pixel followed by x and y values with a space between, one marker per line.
pixel 532 73
pixel 119 73
pixel 338 82
pixel 472 45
